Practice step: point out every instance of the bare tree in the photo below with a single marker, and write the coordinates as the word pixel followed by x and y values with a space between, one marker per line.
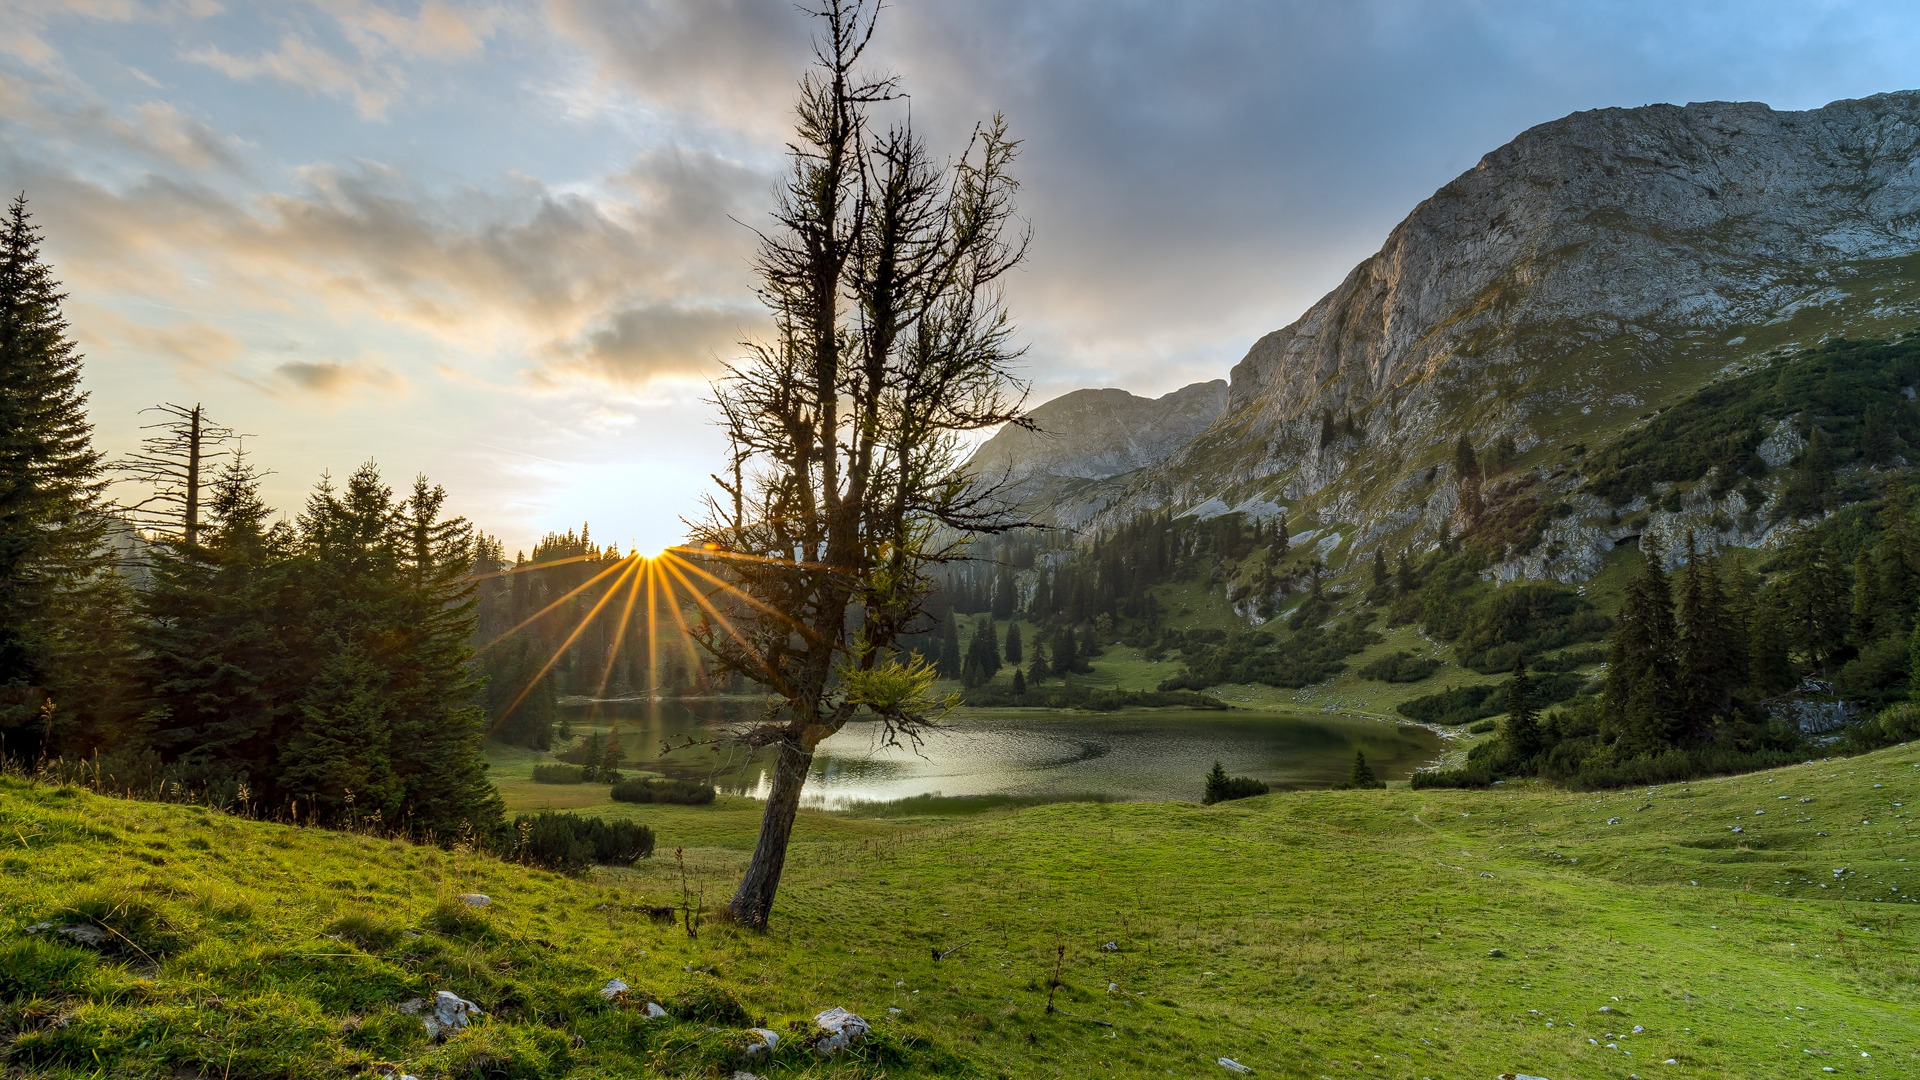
pixel 171 463
pixel 847 482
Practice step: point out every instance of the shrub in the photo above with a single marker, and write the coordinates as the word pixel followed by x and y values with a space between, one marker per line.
pixel 570 843
pixel 1401 667
pixel 1480 727
pixel 1222 788
pixel 1473 776
pixel 1895 724
pixel 662 789
pixel 559 773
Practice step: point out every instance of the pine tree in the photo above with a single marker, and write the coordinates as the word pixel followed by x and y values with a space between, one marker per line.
pixel 1040 666
pixel 1280 538
pixel 1770 667
pixel 1641 699
pixel 218 630
pixel 1216 785
pixel 1466 479
pixel 1522 730
pixel 591 758
pixel 1361 776
pixel 57 589
pixel 1381 577
pixel 1066 656
pixel 1019 683
pixel 1014 651
pixel 338 761
pixel 1710 655
pixel 1817 590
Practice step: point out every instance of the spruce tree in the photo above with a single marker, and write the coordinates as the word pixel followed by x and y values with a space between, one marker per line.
pixel 1040 666
pixel 1641 698
pixel 1522 730
pixel 1066 656
pixel 1361 776
pixel 57 590
pixel 222 655
pixel 339 759
pixel 1216 785
pixel 1014 652
pixel 590 758
pixel 1280 539
pixel 1770 668
pixel 1710 655
pixel 1019 683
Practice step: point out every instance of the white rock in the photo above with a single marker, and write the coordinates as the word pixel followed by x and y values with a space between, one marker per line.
pixel 1229 1063
pixel 614 988
pixel 1111 946
pixel 474 899
pixel 838 1029
pixel 762 1043
pixel 446 1013
pixel 654 1011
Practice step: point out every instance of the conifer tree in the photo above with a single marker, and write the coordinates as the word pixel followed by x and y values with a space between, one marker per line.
pixel 1522 729
pixel 1019 683
pixel 1710 655
pixel 1040 666
pixel 1066 656
pixel 590 759
pixel 220 639
pixel 1641 699
pixel 1280 538
pixel 58 594
pixel 1361 776
pixel 1014 651
pixel 339 759
pixel 1216 785
pixel 1770 667
pixel 1381 577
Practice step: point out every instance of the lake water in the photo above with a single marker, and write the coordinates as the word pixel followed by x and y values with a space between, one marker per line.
pixel 1161 754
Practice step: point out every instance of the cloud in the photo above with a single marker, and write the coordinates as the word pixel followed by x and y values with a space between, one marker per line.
pixel 297 62
pixel 382 41
pixel 331 379
pixel 638 344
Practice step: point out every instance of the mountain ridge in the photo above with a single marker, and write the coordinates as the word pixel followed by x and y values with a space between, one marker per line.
pixel 1591 269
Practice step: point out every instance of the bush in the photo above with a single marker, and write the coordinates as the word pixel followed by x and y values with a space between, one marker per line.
pixel 497 1051
pixel 1480 727
pixel 1401 667
pixel 559 773
pixel 1222 788
pixel 661 789
pixel 570 843
pixel 1895 724
pixel 1473 776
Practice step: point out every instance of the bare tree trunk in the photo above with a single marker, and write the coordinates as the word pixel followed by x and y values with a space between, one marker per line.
pixel 752 903
pixel 192 516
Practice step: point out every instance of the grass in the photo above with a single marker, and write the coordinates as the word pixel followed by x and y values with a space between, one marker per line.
pixel 1386 933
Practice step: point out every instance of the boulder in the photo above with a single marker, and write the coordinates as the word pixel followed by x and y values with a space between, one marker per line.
pixel 760 1044
pixel 474 899
pixel 835 1030
pixel 1233 1066
pixel 445 1014
pixel 614 989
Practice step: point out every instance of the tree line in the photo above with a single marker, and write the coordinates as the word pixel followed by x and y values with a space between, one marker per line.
pixel 322 667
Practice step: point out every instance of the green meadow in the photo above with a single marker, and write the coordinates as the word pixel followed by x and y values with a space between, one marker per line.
pixel 1755 926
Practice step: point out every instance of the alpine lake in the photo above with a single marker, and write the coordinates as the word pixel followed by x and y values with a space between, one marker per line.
pixel 1153 755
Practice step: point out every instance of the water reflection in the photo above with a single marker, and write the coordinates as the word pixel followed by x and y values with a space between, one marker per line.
pixel 1151 755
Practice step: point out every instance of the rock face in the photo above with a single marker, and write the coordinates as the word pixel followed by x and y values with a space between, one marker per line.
pixel 1587 272
pixel 1094 435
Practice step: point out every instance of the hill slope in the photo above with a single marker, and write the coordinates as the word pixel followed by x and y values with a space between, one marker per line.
pixel 1392 934
pixel 1572 283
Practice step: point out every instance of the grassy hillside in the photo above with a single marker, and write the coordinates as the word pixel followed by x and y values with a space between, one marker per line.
pixel 1390 934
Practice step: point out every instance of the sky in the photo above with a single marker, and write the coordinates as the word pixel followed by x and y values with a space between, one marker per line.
pixel 505 244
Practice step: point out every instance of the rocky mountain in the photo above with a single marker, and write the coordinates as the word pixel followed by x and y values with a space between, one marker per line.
pixel 1095 435
pixel 1560 292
